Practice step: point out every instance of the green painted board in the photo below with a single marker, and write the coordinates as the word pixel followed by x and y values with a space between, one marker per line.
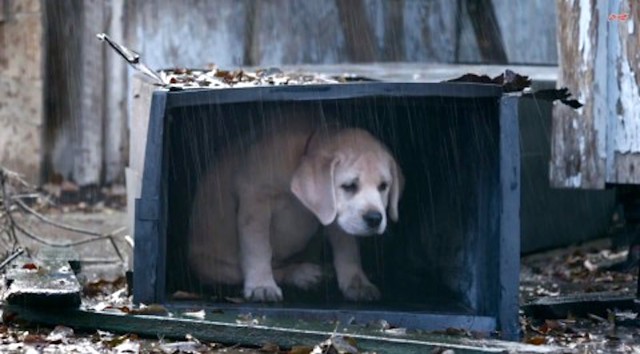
pixel 223 328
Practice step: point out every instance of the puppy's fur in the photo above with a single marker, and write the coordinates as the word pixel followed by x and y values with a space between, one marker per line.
pixel 262 202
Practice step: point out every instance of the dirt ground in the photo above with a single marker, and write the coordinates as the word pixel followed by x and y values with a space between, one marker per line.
pixel 570 270
pixel 574 270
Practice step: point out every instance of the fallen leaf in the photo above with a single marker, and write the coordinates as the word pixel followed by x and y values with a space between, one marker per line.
pixel 195 314
pixel 337 344
pixel 103 286
pixel 398 331
pixel 60 334
pixel 191 338
pixel 34 339
pixel 247 319
pixel 114 341
pixel 457 332
pixel 270 348
pixel 153 309
pixel 590 266
pixel 184 295
pixel 300 349
pixel 127 347
pixel 537 340
pixel 234 300
pixel 442 351
pixel 30 266
pixel 183 347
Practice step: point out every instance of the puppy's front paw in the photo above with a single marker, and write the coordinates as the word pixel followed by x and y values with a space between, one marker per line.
pixel 359 288
pixel 304 275
pixel 263 293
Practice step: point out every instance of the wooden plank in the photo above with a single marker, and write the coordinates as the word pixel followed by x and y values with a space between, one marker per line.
pixel 61 99
pixel 579 305
pixel 623 140
pixel 429 31
pixel 115 100
pixel 488 35
pixel 88 123
pixel 509 241
pixel 21 87
pixel 222 328
pixel 393 35
pixel 74 104
pixel 578 136
pixel 142 91
pixel 361 44
pixel 528 30
pixel 150 237
pixel 428 72
pixel 294 31
pixel 189 33
pixel 43 283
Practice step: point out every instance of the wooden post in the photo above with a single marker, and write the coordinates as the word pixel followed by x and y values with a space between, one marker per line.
pixel 487 32
pixel 358 32
pixel 74 99
pixel 21 86
pixel 116 91
pixel 623 101
pixel 88 132
pixel 599 62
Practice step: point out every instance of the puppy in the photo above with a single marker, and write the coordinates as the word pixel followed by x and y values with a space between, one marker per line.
pixel 262 202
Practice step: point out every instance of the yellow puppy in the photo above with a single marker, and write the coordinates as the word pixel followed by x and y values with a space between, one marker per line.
pixel 262 202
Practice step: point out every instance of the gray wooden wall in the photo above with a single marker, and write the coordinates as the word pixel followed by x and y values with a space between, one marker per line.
pixel 87 110
pixel 273 32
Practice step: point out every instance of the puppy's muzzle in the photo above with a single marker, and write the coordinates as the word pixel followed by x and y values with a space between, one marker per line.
pixel 372 219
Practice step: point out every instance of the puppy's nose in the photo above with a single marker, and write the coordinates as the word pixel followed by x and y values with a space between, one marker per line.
pixel 372 218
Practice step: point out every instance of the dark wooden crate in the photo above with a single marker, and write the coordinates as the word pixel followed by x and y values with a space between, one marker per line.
pixel 451 261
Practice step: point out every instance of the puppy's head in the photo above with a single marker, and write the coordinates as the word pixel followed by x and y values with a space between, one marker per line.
pixel 351 179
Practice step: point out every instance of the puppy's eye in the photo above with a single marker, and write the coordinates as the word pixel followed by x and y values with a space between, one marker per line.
pixel 350 187
pixel 383 186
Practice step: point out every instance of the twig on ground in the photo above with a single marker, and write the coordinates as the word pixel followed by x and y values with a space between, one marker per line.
pixel 101 260
pixel 10 203
pixel 43 218
pixel 11 257
pixel 14 176
pixel 40 239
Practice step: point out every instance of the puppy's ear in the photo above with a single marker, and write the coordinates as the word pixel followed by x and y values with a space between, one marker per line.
pixel 396 190
pixel 313 184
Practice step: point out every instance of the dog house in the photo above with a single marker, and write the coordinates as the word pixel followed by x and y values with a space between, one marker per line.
pixel 452 260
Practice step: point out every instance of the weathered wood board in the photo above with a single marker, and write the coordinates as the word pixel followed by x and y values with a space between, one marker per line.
pixel 43 283
pixel 623 101
pixel 85 103
pixel 227 328
pixel 580 305
pixel 21 85
pixel 598 144
pixel 71 122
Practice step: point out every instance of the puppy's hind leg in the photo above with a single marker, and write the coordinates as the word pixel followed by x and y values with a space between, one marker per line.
pixel 254 218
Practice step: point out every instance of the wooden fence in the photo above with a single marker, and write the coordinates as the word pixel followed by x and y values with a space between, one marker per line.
pixel 86 88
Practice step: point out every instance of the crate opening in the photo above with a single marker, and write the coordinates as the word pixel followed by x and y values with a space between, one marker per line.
pixel 440 257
